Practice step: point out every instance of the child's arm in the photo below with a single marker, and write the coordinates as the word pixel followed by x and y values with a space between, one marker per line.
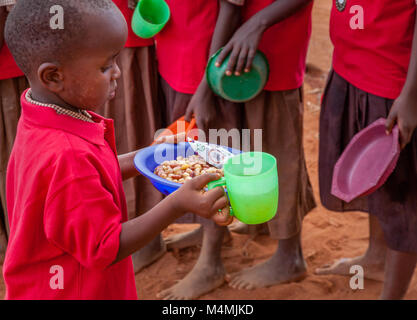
pixel 3 16
pixel 245 41
pixel 202 102
pixel 136 233
pixel 404 109
pixel 82 213
pixel 127 166
pixel 227 23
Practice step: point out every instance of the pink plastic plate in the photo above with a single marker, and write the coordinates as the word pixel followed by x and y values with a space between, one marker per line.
pixel 366 163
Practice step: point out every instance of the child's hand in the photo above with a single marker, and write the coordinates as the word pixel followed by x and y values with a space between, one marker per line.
pixel 404 113
pixel 242 46
pixel 174 139
pixel 190 198
pixel 202 105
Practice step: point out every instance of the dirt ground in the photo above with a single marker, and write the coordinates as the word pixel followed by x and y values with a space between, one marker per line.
pixel 326 236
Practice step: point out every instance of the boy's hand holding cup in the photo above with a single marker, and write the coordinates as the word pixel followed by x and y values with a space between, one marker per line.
pixel 191 198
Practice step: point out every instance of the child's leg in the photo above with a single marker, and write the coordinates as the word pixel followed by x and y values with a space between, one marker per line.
pixel 399 269
pixel 185 240
pixel 372 261
pixel 190 239
pixel 280 116
pixel 149 254
pixel 208 273
pixel 345 111
pixel 254 230
pixel 286 265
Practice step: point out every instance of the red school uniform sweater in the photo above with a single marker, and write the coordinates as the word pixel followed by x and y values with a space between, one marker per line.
pixel 66 206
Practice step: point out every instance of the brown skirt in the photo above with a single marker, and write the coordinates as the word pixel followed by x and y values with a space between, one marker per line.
pixel 346 110
pixel 280 116
pixel 136 118
pixel 10 92
pixel 176 104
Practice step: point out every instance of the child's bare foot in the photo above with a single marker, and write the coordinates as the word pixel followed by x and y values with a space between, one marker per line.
pixel 286 265
pixel 207 274
pixel 242 228
pixel 277 270
pixel 373 268
pixel 148 254
pixel 373 261
pixel 190 239
pixel 202 279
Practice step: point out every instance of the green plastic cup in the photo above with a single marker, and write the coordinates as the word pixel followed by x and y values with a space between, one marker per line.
pixel 238 88
pixel 150 17
pixel 251 180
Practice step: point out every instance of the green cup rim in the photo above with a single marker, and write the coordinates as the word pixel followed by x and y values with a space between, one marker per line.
pixel 139 6
pixel 212 61
pixel 252 152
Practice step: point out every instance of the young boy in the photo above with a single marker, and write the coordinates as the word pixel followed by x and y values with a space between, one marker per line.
pixel 69 234
pixel 136 118
pixel 196 30
pixel 12 84
pixel 278 111
pixel 375 76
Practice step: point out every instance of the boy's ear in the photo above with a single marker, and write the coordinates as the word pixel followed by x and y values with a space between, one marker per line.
pixel 51 77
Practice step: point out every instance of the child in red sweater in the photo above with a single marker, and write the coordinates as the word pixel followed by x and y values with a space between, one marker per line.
pixel 374 76
pixel 69 234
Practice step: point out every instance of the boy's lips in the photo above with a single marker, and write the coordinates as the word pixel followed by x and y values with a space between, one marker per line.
pixel 113 93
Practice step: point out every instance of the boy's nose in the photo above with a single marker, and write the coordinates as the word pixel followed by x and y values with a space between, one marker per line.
pixel 117 72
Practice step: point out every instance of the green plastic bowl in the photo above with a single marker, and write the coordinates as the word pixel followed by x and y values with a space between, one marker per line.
pixel 238 88
pixel 150 17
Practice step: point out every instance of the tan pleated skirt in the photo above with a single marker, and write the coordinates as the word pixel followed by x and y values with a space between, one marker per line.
pixel 280 115
pixel 10 92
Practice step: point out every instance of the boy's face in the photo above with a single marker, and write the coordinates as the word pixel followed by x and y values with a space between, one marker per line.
pixel 90 72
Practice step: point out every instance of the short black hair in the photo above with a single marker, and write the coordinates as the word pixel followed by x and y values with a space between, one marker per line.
pixel 31 39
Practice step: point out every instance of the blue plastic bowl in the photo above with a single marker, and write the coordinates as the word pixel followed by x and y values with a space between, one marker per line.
pixel 147 159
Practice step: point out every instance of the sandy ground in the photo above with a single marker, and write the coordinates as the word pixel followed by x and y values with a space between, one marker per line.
pixel 326 236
